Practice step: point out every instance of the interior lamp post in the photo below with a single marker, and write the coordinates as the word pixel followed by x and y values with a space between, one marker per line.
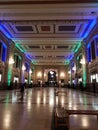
pixel 11 62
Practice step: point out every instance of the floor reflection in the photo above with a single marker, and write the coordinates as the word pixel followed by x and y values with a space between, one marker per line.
pixel 37 106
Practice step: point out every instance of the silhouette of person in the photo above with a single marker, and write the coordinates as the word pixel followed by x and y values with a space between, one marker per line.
pixel 22 90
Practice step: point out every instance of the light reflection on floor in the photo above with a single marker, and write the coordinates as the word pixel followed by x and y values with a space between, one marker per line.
pixel 35 111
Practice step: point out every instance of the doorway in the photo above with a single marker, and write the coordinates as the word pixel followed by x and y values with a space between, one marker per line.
pixel 52 80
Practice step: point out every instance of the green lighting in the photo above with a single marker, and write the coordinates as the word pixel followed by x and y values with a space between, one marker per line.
pixel 20 47
pixel 20 57
pixel 9 74
pixel 76 48
pixel 34 62
pixel 84 75
pixel 79 56
pixel 67 62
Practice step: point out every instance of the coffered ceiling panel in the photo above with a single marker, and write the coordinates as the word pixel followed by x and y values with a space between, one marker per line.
pixel 49 32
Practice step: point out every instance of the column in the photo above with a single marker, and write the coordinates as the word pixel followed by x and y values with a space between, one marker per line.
pixel 84 71
pixel 22 69
pixel 10 62
pixel 30 73
pixel 70 74
pixel 43 81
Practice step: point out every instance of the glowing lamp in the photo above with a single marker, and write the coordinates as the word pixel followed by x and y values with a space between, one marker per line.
pixel 30 71
pixel 23 68
pixel 11 61
pixel 82 61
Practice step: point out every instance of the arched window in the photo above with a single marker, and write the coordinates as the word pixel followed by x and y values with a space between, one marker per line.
pixel 0 49
pixel 3 51
pixel 96 40
pixel 93 50
pixel 17 60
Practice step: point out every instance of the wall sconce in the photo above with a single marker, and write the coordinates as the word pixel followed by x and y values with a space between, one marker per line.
pixel 62 75
pixel 30 71
pixel 23 68
pixel 82 61
pixel 39 74
pixel 44 74
pixel 11 61
pixel 69 72
pixel 74 68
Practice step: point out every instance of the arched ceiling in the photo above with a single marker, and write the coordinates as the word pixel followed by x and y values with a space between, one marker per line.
pixel 48 33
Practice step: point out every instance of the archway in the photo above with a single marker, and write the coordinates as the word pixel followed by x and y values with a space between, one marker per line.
pixel 52 79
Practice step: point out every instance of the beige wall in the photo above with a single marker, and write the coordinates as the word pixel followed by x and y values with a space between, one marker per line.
pixel 60 70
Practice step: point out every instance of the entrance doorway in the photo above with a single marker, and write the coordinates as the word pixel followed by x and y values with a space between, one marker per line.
pixel 52 79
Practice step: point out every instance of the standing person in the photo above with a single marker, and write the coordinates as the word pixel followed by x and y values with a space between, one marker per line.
pixel 94 87
pixel 22 91
pixel 11 85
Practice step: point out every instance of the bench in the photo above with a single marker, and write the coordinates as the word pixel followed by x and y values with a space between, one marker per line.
pixel 63 114
pixel 60 92
pixel 61 117
pixel 85 112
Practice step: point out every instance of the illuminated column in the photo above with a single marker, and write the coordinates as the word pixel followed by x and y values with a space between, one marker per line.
pixel 34 75
pixel 83 62
pixel 10 64
pixel 75 69
pixel 22 69
pixel 70 74
pixel 30 74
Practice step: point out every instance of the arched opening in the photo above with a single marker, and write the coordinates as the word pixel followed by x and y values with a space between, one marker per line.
pixel 52 80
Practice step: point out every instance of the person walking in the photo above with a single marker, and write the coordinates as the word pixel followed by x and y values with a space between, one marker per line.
pixel 22 91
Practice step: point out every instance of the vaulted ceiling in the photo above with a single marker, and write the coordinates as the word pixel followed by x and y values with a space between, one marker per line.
pixel 49 33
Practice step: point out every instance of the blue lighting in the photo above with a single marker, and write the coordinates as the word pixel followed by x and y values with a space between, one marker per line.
pixel 89 27
pixel 70 57
pixel 4 45
pixel 4 52
pixel 5 31
pixel 27 65
pixel 89 44
pixel 89 54
pixel 29 57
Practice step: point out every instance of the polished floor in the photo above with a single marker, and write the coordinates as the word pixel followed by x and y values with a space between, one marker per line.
pixel 36 109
